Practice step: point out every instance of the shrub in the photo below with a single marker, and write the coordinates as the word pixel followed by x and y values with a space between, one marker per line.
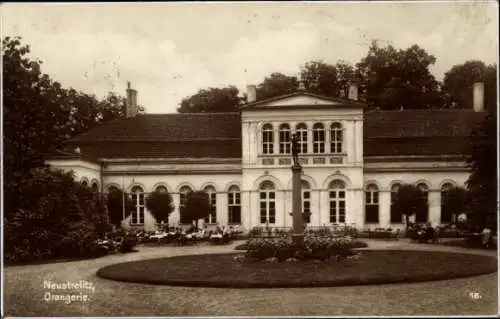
pixel 314 248
pixel 409 200
pixel 128 243
pixel 160 204
pixel 119 205
pixel 255 232
pixel 57 217
pixel 327 231
pixel 197 207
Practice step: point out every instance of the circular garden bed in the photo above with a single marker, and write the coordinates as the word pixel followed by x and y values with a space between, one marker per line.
pixel 353 245
pixel 374 267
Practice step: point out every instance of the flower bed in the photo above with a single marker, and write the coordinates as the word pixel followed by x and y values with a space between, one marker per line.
pixel 354 244
pixel 380 233
pixel 284 249
pixel 321 231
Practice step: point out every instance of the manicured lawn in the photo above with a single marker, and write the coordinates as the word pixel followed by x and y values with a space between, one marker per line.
pixel 374 267
pixel 466 243
pixel 23 292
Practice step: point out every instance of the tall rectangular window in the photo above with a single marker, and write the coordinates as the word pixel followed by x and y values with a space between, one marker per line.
pixel 234 205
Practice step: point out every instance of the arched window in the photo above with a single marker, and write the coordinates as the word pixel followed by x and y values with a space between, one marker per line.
pixel 234 205
pixel 336 138
pixel 396 216
pixel 138 201
pixel 371 204
pixel 337 201
pixel 318 138
pixel 306 200
pixel 85 182
pixel 301 130
pixel 267 139
pixel 183 193
pixel 212 217
pixel 161 189
pixel 95 187
pixel 267 202
pixel 446 213
pixel 422 216
pixel 285 139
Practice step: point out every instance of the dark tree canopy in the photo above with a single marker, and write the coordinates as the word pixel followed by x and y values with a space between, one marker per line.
pixel 458 81
pixel 326 79
pixel 115 203
pixel 277 84
pixel 211 100
pixel 161 205
pixel 409 201
pixel 57 217
pixel 394 79
pixel 197 206
pixel 40 115
pixel 389 79
pixel 454 200
pixel 482 183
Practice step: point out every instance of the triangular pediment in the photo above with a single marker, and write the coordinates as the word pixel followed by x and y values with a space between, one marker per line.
pixel 301 99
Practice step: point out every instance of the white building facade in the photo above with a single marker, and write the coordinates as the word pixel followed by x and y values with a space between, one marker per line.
pixel 353 160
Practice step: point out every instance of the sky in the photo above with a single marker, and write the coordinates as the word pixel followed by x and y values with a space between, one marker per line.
pixel 169 51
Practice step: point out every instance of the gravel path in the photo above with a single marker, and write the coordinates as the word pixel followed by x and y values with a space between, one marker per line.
pixel 24 292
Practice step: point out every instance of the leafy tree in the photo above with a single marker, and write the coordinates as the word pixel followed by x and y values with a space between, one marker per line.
pixel 87 112
pixel 115 202
pixel 197 206
pixel 211 100
pixel 320 77
pixel 40 115
pixel 454 201
pixel 345 74
pixel 326 79
pixel 458 81
pixel 160 204
pixel 57 217
pixel 409 201
pixel 34 120
pixel 482 183
pixel 392 78
pixel 277 84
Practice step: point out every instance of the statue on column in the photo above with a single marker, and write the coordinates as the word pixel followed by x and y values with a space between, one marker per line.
pixel 295 149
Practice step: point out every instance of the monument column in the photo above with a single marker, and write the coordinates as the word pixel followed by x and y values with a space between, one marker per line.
pixel 298 228
pixel 298 221
pixel 434 207
pixel 175 217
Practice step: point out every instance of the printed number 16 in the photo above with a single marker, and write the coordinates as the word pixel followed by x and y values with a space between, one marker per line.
pixel 475 295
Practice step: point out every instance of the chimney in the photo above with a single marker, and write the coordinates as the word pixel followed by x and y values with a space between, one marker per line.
pixel 353 91
pixel 478 96
pixel 131 110
pixel 251 93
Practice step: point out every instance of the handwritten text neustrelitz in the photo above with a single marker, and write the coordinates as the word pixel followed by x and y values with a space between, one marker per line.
pixel 65 291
